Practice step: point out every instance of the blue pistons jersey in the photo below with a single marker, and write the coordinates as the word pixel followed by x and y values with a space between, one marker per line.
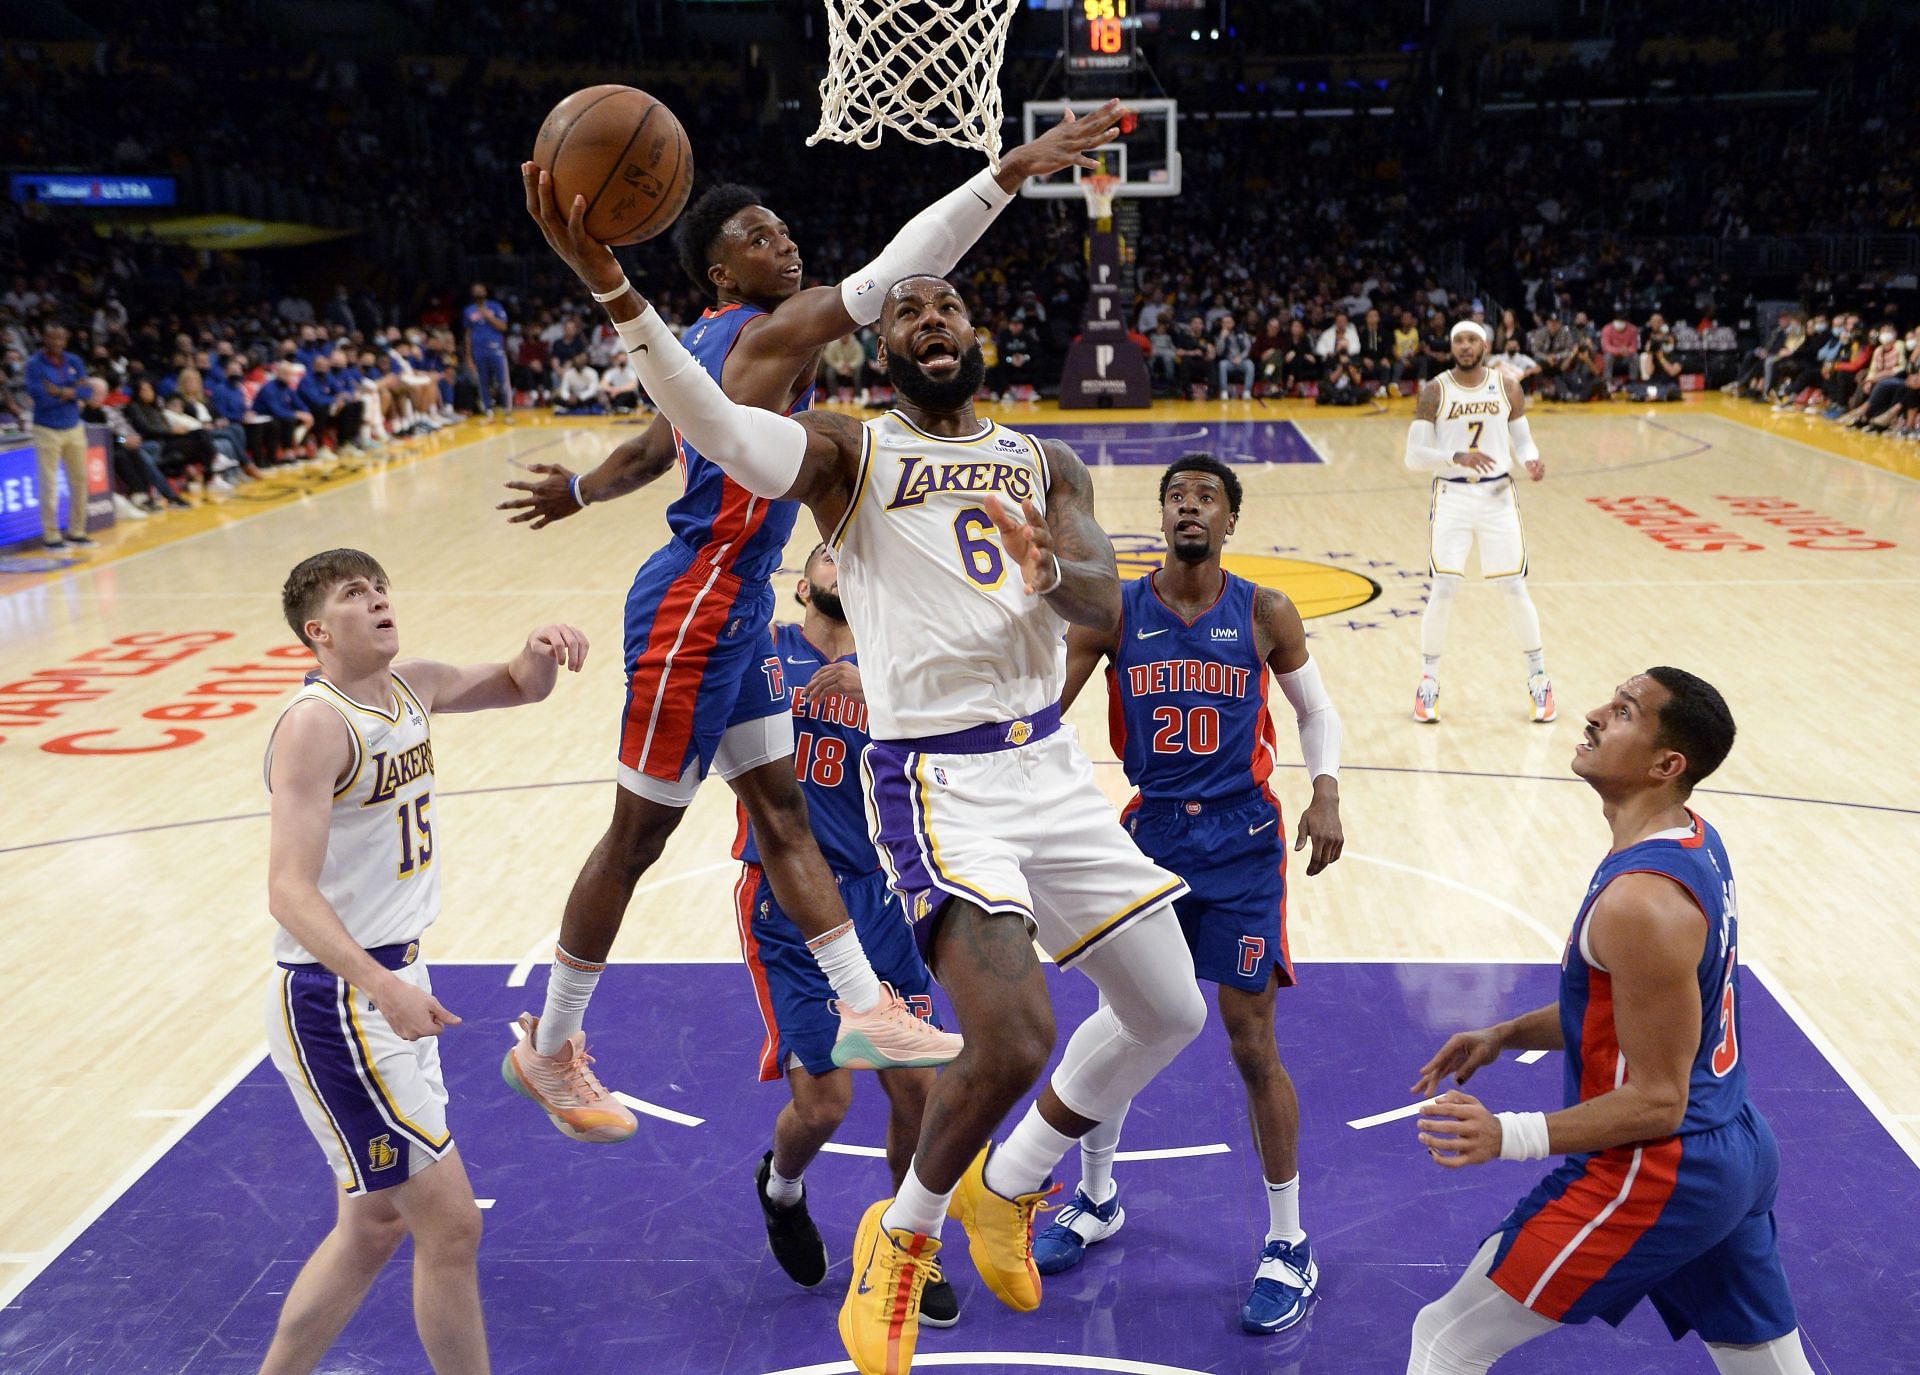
pixel 1187 701
pixel 728 526
pixel 1717 1087
pixel 828 737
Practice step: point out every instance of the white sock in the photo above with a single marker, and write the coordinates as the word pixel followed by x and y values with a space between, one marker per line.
pixel 1021 1164
pixel 1283 1212
pixel 1430 666
pixel 1523 617
pixel 783 1191
pixel 1097 1149
pixel 570 986
pixel 844 961
pixel 917 1208
pixel 1536 662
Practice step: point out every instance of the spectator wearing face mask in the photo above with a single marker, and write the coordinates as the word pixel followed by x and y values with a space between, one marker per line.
pixel 1840 374
pixel 1619 350
pixel 1801 367
pixel 1516 364
pixel 136 461
pixel 1336 337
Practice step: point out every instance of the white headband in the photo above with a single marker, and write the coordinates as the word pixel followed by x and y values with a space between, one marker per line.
pixel 1471 327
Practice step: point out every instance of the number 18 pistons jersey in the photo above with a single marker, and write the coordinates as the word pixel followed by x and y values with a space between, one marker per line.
pixel 1187 701
pixel 948 636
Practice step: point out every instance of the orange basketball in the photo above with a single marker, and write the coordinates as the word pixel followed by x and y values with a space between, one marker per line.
pixel 625 152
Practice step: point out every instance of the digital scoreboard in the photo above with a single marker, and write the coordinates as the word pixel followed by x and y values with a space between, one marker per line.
pixel 1101 36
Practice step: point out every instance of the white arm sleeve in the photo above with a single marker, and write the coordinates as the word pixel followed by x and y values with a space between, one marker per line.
pixel 931 242
pixel 1424 454
pixel 1521 433
pixel 1319 723
pixel 758 449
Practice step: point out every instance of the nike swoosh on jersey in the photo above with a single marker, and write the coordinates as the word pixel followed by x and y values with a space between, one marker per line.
pixel 1255 830
pixel 792 660
pixel 1149 634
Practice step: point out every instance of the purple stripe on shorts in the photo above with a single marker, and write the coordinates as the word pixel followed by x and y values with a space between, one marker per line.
pixel 988 738
pixel 380 1154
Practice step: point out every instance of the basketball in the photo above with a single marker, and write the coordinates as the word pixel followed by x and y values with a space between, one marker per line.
pixel 625 152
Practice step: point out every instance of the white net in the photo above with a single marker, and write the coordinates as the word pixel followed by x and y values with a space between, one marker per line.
pixel 927 69
pixel 1099 188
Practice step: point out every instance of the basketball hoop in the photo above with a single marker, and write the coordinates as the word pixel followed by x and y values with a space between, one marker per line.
pixel 1099 188
pixel 927 69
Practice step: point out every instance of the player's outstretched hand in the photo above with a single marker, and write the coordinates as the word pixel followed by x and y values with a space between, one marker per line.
pixel 563 644
pixel 1465 1054
pixel 1536 469
pixel 1067 144
pixel 1474 459
pixel 1457 1130
pixel 841 678
pixel 1320 826
pixel 566 232
pixel 1029 541
pixel 412 1012
pixel 548 500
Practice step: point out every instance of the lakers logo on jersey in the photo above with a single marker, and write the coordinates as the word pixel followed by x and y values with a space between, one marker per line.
pixel 1018 733
pixel 380 1153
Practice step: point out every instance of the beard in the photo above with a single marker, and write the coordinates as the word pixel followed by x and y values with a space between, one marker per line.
pixel 828 605
pixel 913 384
pixel 1192 551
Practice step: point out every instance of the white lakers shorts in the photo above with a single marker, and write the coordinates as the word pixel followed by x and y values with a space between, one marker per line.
pixel 1012 828
pixel 377 1104
pixel 1463 514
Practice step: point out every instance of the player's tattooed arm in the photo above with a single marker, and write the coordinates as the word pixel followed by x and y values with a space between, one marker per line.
pixel 1427 407
pixel 1516 396
pixel 1064 555
pixel 1278 634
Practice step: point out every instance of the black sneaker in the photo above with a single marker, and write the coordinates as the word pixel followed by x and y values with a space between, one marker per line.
pixel 55 543
pixel 939 1305
pixel 82 541
pixel 791 1235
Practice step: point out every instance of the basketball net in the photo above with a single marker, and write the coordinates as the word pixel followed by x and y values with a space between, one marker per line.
pixel 1098 188
pixel 928 69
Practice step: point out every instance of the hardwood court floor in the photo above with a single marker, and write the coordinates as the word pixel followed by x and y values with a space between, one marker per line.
pixel 133 831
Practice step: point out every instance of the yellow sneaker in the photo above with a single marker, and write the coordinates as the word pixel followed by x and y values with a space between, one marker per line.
pixel 1000 1234
pixel 880 1321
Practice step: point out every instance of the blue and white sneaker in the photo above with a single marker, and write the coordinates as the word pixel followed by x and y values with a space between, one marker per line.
pixel 1283 1286
pixel 1076 1227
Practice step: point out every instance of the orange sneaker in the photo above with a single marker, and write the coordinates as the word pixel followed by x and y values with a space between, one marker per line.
pixel 880 1320
pixel 1426 702
pixel 565 1085
pixel 1540 690
pixel 888 1036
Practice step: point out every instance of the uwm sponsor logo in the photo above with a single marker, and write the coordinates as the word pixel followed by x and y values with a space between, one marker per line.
pixel 46 696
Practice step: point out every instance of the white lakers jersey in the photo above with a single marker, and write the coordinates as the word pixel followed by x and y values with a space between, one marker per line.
pixel 1476 418
pixel 379 875
pixel 948 636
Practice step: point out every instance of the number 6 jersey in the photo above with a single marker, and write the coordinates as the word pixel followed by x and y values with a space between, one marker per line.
pixel 379 875
pixel 948 636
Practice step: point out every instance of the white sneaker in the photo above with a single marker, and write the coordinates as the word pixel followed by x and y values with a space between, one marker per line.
pixel 219 484
pixel 1426 699
pixel 1540 689
pixel 124 509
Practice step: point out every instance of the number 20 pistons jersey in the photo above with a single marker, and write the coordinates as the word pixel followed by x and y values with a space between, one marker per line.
pixel 948 636
pixel 1187 703
pixel 380 873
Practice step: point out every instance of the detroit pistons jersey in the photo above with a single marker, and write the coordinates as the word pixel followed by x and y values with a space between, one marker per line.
pixel 379 875
pixel 722 521
pixel 1717 1086
pixel 828 735
pixel 1187 700
pixel 1476 418
pixel 949 635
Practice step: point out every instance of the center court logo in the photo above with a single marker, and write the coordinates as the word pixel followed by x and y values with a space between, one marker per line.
pixel 1338 589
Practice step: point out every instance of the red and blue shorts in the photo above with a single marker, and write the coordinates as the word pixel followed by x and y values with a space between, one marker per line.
pixel 699 658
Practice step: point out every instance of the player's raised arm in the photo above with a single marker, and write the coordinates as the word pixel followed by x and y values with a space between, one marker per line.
pixel 770 455
pixel 312 750
pixel 560 492
pixel 1064 556
pixel 930 243
pixel 527 677
pixel 1285 640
